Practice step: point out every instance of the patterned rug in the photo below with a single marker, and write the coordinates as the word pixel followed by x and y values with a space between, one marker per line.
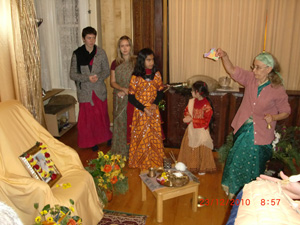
pixel 121 218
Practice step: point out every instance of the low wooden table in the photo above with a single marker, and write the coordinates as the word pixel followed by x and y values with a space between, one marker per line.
pixel 166 193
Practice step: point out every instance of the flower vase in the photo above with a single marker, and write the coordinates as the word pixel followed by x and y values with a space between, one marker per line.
pixel 109 195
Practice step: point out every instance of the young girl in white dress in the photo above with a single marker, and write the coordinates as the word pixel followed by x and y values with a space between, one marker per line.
pixel 196 147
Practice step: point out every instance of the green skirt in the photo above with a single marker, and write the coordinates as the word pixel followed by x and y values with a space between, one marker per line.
pixel 245 160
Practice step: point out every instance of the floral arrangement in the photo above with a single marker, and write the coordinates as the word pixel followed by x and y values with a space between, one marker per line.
pixel 107 171
pixel 57 215
pixel 286 146
pixel 33 162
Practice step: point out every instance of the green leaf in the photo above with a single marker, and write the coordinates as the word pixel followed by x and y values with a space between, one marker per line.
pixel 64 209
pixel 76 218
pixel 72 202
pixel 36 205
pixel 46 207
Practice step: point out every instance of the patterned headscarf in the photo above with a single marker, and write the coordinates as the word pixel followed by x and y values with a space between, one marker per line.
pixel 268 59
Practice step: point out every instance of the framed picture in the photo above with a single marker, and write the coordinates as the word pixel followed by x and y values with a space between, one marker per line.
pixel 39 164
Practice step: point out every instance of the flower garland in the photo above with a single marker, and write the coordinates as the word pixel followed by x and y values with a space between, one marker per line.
pixel 33 162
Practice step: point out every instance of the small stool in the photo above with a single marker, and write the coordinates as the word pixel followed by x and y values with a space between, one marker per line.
pixel 169 193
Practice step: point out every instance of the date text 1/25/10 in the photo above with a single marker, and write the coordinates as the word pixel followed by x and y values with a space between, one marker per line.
pixel 223 202
pixel 272 202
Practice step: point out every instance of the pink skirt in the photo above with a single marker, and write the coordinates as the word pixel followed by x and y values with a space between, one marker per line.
pixel 93 123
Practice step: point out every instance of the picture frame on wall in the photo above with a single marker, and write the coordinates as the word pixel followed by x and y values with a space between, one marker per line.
pixel 38 162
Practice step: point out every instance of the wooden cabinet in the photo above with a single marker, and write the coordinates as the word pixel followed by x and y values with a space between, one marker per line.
pixel 225 106
pixel 221 101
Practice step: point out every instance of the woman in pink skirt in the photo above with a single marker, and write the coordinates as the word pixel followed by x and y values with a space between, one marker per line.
pixel 89 69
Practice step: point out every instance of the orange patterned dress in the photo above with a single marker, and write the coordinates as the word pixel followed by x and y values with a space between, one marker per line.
pixel 146 145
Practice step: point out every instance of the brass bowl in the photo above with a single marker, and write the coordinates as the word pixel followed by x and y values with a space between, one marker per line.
pixel 201 201
pixel 160 170
pixel 175 179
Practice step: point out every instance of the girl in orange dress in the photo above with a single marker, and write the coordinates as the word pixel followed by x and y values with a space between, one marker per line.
pixel 196 147
pixel 145 92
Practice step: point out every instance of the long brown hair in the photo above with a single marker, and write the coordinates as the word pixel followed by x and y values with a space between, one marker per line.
pixel 120 59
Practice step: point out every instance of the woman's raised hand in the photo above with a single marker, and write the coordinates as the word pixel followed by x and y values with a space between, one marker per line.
pixel 220 53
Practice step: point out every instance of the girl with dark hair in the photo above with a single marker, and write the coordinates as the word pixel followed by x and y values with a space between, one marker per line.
pixel 89 69
pixel 196 147
pixel 120 75
pixel 145 92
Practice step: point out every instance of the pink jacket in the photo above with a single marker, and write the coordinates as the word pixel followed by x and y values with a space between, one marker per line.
pixel 270 100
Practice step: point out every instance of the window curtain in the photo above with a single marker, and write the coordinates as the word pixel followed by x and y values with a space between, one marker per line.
pixel 60 35
pixel 20 59
pixel 238 27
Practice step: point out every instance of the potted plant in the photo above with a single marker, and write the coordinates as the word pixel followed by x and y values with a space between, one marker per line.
pixel 107 171
pixel 286 147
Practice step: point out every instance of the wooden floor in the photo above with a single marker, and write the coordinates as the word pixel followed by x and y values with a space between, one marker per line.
pixel 177 211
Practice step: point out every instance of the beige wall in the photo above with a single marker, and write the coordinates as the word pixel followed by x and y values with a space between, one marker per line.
pixel 115 22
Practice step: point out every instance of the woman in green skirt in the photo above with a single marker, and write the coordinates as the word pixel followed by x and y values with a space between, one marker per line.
pixel 264 103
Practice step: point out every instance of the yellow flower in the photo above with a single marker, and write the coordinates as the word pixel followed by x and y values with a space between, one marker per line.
pixel 106 157
pixel 100 154
pixel 62 213
pixel 113 157
pixel 44 212
pixel 57 185
pixel 50 219
pixel 33 163
pixel 38 219
pixel 115 173
pixel 43 174
pixel 121 177
pixel 122 165
pixel 72 209
pixel 124 158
